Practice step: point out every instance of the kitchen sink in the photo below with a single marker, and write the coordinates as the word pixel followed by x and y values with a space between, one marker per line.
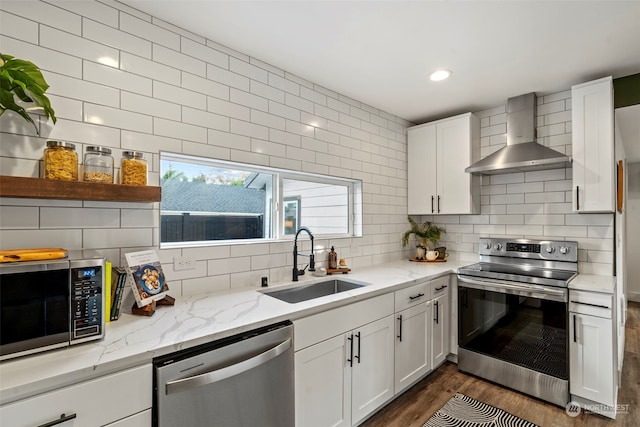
pixel 313 290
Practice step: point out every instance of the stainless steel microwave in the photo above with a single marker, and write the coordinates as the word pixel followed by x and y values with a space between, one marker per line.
pixel 51 304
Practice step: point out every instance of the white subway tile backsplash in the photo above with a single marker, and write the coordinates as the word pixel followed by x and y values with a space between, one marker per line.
pixel 16 239
pixel 250 111
pixel 77 46
pixel 210 55
pixel 591 219
pixel 266 91
pixel 187 63
pixel 206 86
pixel 285 111
pixel 78 132
pixel 67 108
pixel 249 100
pixel 179 95
pixel 19 217
pixel 145 67
pixel 117 118
pixel 148 143
pixel 148 31
pixel 173 129
pixel 46 14
pixel 82 90
pixel 204 119
pixel 94 238
pixel 229 140
pixel 113 37
pixel 279 82
pixel 249 129
pixel 265 147
pixel 150 106
pixel 116 78
pixel 248 70
pixel 58 218
pixel 46 59
pixel 227 78
pixel 268 120
pixel 205 150
pixel 229 109
pixel 18 28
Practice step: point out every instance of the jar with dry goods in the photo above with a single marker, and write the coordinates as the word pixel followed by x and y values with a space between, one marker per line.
pixel 98 165
pixel 61 161
pixel 133 169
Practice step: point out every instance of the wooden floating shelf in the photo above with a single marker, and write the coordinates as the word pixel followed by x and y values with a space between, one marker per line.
pixel 36 188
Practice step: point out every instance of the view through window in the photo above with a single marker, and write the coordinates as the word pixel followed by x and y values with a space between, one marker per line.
pixel 206 200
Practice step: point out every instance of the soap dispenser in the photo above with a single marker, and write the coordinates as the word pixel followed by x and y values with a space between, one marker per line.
pixel 333 259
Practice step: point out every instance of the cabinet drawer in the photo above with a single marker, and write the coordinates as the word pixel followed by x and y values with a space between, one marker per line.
pixel 95 402
pixel 591 303
pixel 439 286
pixel 413 295
pixel 322 326
pixel 141 419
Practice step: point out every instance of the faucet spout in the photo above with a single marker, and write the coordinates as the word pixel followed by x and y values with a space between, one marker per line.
pixel 297 272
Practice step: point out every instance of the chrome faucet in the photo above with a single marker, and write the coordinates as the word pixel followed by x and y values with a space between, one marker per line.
pixel 311 265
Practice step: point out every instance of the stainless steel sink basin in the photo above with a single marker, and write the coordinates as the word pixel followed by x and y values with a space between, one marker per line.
pixel 313 290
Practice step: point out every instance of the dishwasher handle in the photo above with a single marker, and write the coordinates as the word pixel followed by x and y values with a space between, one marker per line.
pixel 200 380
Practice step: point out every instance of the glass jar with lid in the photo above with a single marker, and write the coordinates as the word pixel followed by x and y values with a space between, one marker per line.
pixel 133 169
pixel 98 165
pixel 61 161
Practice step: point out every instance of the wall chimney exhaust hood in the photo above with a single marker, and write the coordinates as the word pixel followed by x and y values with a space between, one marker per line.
pixel 522 153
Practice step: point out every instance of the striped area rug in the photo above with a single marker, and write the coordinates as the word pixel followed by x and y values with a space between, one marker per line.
pixel 462 410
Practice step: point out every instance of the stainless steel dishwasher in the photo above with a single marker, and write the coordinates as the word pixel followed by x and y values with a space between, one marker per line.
pixel 242 381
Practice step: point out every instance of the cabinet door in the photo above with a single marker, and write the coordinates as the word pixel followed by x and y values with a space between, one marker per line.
pixel 372 372
pixel 127 392
pixel 440 330
pixel 323 384
pixel 413 345
pixel 591 371
pixel 592 146
pixel 142 419
pixel 453 156
pixel 421 166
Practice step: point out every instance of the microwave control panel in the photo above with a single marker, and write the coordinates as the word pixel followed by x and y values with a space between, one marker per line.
pixel 86 306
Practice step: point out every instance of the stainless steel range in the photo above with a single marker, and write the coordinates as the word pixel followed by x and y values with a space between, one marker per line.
pixel 513 315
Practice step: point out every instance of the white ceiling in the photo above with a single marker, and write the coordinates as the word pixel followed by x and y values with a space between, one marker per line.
pixel 380 52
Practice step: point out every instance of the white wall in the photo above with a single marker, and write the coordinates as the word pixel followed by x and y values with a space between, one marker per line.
pixel 532 205
pixel 164 88
pixel 633 231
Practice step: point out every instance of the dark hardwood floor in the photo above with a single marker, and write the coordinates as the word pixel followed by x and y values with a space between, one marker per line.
pixel 414 407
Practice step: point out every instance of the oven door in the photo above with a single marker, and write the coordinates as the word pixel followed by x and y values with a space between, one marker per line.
pixel 514 322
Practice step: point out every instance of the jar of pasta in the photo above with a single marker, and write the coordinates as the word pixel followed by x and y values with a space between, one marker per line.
pixel 60 161
pixel 133 169
pixel 98 165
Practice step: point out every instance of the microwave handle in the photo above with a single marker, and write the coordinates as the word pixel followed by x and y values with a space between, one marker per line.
pixel 63 418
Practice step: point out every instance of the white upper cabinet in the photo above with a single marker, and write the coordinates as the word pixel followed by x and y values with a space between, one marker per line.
pixel 438 153
pixel 592 146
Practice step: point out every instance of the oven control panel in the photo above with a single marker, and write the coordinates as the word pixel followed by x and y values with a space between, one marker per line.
pixel 553 250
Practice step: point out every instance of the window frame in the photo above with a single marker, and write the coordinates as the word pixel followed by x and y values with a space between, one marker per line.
pixel 276 212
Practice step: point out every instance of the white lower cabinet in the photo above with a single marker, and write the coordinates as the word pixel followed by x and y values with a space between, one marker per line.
pixel 342 379
pixel 440 330
pixel 592 345
pixel 413 345
pixel 123 398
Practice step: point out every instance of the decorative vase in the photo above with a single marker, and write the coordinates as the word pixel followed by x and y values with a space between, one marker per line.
pixel 420 252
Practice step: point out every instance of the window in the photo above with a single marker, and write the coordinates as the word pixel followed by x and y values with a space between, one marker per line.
pixel 206 201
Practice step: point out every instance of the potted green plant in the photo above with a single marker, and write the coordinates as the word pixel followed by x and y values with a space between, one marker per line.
pixel 22 82
pixel 426 233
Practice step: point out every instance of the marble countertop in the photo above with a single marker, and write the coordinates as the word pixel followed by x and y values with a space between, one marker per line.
pixel 593 283
pixel 135 340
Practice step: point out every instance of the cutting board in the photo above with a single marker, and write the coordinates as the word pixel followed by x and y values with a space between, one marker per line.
pixel 33 254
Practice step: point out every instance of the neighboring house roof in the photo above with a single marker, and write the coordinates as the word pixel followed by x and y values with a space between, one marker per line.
pixel 201 197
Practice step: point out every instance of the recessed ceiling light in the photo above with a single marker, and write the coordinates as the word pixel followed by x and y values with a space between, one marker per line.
pixel 438 75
